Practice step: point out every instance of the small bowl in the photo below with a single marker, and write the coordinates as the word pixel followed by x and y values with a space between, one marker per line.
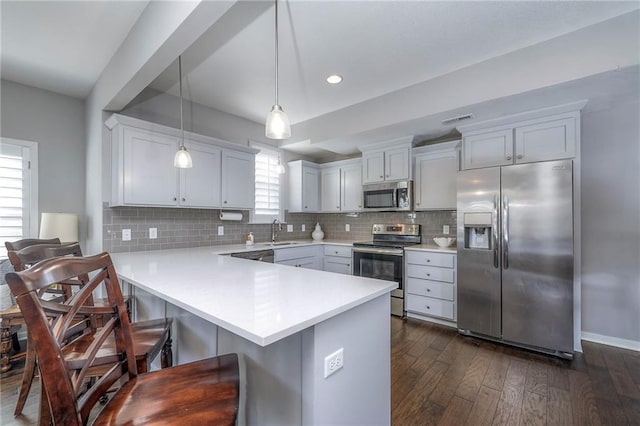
pixel 444 241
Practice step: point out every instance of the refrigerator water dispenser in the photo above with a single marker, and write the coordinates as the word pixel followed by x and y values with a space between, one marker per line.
pixel 477 231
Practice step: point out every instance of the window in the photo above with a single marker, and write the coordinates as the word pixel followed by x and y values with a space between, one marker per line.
pixel 18 191
pixel 269 188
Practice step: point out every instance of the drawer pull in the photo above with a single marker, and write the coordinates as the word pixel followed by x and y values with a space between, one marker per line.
pixel 428 260
pixel 428 290
pixel 336 252
pixel 428 275
pixel 428 307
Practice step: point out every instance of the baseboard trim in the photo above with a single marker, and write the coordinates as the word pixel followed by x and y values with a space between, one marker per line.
pixel 611 341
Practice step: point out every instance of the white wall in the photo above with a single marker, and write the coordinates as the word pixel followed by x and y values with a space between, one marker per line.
pixel 611 224
pixel 56 123
pixel 163 108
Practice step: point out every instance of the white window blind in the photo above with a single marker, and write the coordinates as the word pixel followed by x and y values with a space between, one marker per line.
pixel 17 191
pixel 268 187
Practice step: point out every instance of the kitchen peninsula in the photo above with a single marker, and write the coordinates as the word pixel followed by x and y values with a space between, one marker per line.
pixel 285 320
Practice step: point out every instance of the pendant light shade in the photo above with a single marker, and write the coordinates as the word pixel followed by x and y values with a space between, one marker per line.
pixel 280 168
pixel 277 126
pixel 182 159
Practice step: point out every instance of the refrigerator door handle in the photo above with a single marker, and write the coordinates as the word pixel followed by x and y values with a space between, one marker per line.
pixel 505 232
pixel 494 233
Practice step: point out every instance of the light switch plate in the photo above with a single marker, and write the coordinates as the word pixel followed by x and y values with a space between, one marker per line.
pixel 126 235
pixel 445 229
pixel 153 233
pixel 289 228
pixel 347 227
pixel 220 230
pixel 303 228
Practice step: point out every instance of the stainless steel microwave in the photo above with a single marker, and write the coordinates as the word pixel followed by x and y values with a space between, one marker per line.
pixel 390 196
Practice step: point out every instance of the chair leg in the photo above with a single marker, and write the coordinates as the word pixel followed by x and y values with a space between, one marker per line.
pixel 5 348
pixel 166 355
pixel 27 377
pixel 44 415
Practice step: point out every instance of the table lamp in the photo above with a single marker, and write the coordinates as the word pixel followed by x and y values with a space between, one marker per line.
pixel 59 225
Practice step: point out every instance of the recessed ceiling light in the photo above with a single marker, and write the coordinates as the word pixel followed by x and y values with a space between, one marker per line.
pixel 334 79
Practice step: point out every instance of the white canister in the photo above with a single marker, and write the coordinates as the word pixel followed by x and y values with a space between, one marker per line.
pixel 317 233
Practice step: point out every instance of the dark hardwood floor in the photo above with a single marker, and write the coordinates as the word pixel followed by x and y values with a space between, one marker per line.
pixel 440 377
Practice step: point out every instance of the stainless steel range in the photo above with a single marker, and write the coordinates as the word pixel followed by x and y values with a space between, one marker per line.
pixel 383 257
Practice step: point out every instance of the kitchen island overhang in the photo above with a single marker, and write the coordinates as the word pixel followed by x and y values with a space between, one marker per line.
pixel 284 319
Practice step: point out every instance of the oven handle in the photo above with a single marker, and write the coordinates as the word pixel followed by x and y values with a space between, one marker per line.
pixel 392 252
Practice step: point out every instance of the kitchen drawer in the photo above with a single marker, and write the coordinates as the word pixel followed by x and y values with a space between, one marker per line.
pixel 282 254
pixel 428 306
pixel 443 260
pixel 430 273
pixel 302 262
pixel 429 288
pixel 340 251
pixel 341 265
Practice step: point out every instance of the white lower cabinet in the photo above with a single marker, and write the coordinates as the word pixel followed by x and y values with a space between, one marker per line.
pixel 430 286
pixel 309 257
pixel 337 259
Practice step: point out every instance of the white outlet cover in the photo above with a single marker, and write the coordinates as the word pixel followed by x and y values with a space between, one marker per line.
pixel 126 235
pixel 289 228
pixel 445 229
pixel 153 233
pixel 333 362
pixel 220 230
pixel 303 228
pixel 347 227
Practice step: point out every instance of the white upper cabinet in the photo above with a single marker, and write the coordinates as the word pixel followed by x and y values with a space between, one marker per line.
pixel 200 185
pixel 436 169
pixel 304 187
pixel 341 186
pixel 351 187
pixel 545 134
pixel 137 178
pixel 330 189
pixel 546 140
pixel 488 149
pixel 238 179
pixel 387 161
pixel 142 171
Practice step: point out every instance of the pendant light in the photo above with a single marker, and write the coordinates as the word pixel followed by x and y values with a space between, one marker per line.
pixel 280 168
pixel 182 159
pixel 277 126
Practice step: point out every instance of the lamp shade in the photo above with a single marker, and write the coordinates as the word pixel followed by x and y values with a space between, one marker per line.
pixel 277 126
pixel 59 225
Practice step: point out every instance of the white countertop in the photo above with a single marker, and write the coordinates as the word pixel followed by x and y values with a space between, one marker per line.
pixel 261 302
pixel 433 247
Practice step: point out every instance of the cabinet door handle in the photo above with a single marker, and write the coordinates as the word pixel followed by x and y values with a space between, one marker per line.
pixel 360 206
pixel 184 199
pixel 305 207
pixel 428 260
pixel 381 177
pixel 417 204
pixel 338 207
pixel 428 307
pixel 387 175
pixel 428 275
pixel 519 156
pixel 428 290
pixel 225 202
pixel 175 198
pixel 336 252
pixel 508 157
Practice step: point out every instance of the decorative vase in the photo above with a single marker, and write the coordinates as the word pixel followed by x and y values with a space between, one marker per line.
pixel 317 233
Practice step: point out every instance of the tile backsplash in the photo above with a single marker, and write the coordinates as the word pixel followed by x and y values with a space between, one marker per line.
pixel 180 228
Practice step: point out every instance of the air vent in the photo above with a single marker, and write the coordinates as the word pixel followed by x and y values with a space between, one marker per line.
pixel 458 118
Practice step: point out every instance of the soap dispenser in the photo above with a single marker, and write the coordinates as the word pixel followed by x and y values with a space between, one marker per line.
pixel 250 239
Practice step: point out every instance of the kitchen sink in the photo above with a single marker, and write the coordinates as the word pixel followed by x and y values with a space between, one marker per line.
pixel 282 243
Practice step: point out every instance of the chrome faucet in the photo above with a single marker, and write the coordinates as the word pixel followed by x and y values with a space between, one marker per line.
pixel 276 226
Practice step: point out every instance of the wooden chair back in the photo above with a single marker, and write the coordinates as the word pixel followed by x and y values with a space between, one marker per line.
pixel 20 244
pixel 68 404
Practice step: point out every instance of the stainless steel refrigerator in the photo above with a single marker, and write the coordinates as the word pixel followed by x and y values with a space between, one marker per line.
pixel 515 255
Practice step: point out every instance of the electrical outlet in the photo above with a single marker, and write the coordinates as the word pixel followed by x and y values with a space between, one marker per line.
pixel 445 229
pixel 153 233
pixel 221 230
pixel 126 235
pixel 289 228
pixel 333 362
pixel 347 227
pixel 303 228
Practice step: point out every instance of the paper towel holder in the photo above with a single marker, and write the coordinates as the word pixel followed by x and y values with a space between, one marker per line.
pixel 235 216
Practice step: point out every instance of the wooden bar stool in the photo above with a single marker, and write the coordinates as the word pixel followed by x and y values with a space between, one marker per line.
pixel 210 391
pixel 150 338
pixel 11 318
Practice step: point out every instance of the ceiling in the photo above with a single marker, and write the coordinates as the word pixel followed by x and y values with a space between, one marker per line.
pixel 379 47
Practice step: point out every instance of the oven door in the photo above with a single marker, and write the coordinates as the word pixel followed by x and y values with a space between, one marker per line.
pixel 383 264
